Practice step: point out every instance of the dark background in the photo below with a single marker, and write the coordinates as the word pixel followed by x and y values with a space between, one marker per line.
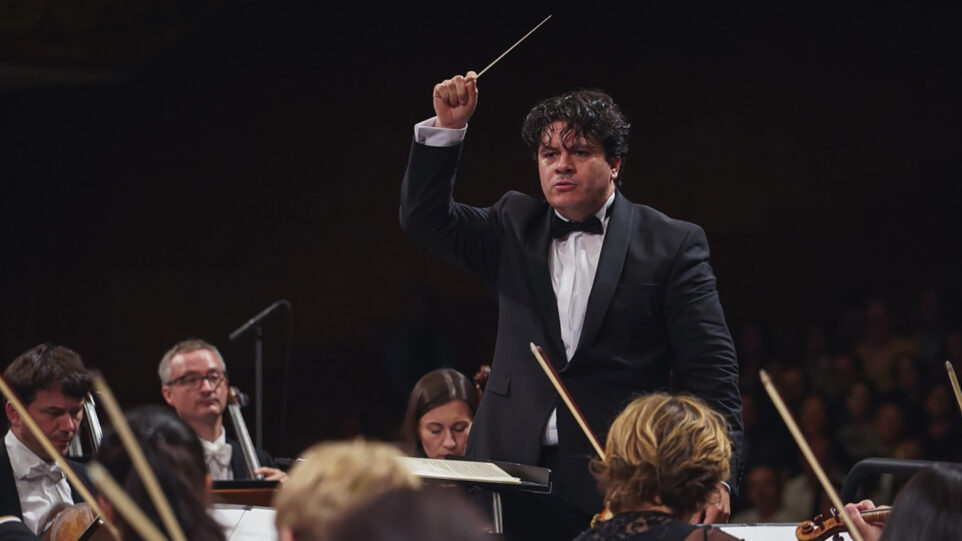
pixel 232 154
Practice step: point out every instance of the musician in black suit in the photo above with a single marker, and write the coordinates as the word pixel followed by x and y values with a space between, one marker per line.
pixel 13 529
pixel 52 382
pixel 194 382
pixel 620 296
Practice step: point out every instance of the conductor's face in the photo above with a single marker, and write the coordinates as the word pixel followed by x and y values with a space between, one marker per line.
pixel 197 387
pixel 576 177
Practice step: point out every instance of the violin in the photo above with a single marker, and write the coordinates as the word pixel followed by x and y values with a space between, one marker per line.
pixel 822 527
pixel 76 522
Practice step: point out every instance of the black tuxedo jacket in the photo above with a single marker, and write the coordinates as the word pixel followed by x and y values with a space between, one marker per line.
pixel 653 320
pixel 10 498
pixel 237 464
pixel 16 531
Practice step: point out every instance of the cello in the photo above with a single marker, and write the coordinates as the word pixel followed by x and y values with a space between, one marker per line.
pixel 257 491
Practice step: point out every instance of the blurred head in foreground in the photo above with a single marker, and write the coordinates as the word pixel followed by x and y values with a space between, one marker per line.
pixel 664 451
pixel 412 515
pixel 177 459
pixel 333 478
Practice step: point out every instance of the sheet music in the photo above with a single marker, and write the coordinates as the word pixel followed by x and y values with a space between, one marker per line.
pixel 459 470
pixel 246 523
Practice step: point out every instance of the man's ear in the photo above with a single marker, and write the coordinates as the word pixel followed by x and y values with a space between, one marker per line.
pixel 166 392
pixel 12 415
pixel 615 168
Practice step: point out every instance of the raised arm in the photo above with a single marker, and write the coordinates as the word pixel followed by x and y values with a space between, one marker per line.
pixel 468 236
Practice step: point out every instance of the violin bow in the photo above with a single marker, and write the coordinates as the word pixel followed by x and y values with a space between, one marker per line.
pixel 955 383
pixel 809 456
pixel 572 407
pixel 138 459
pixel 54 454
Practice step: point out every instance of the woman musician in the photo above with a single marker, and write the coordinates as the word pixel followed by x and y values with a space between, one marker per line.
pixel 664 458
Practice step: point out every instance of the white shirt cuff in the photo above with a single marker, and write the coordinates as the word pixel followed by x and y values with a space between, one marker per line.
pixel 426 133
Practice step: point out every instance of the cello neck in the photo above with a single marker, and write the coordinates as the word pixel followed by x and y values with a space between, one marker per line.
pixel 243 436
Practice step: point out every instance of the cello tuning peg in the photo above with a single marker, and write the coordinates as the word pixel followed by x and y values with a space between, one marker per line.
pixel 242 398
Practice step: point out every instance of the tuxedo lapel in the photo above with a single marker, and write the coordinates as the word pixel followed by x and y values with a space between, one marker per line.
pixel 9 497
pixel 237 463
pixel 536 266
pixel 610 264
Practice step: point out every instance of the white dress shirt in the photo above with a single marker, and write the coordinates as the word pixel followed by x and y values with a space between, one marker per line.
pixel 572 263
pixel 217 455
pixel 41 485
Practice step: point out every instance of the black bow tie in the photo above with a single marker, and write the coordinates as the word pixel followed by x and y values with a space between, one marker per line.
pixel 561 228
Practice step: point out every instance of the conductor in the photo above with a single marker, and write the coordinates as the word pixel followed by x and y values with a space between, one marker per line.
pixel 620 296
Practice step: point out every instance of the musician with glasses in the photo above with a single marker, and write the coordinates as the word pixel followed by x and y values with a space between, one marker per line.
pixel 194 382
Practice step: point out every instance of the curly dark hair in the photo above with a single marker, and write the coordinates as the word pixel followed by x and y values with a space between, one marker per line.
pixel 591 114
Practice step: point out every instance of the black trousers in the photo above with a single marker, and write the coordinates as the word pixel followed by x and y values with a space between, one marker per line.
pixel 535 517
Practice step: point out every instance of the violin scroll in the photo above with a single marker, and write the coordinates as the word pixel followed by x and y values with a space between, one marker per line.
pixel 822 527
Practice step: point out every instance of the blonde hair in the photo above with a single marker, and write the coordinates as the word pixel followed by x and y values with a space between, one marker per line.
pixel 664 450
pixel 332 478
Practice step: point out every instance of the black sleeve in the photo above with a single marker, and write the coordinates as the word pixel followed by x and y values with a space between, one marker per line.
pixel 14 530
pixel 704 352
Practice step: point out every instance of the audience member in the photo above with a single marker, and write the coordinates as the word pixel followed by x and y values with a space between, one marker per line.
pixel 856 434
pixel 763 489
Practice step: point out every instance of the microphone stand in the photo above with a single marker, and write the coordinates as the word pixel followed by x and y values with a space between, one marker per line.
pixel 259 387
pixel 255 324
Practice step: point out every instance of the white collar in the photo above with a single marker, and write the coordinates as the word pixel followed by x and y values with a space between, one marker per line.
pixel 21 457
pixel 218 442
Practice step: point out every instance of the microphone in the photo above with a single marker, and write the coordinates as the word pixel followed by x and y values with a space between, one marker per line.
pixel 240 331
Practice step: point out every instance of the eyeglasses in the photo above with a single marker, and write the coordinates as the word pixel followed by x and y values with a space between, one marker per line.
pixel 195 381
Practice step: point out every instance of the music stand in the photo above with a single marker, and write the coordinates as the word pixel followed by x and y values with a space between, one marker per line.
pixel 532 479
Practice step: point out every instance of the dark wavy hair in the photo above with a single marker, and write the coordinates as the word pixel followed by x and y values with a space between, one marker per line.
pixel 591 114
pixel 177 458
pixel 48 367
pixel 928 506
pixel 436 388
